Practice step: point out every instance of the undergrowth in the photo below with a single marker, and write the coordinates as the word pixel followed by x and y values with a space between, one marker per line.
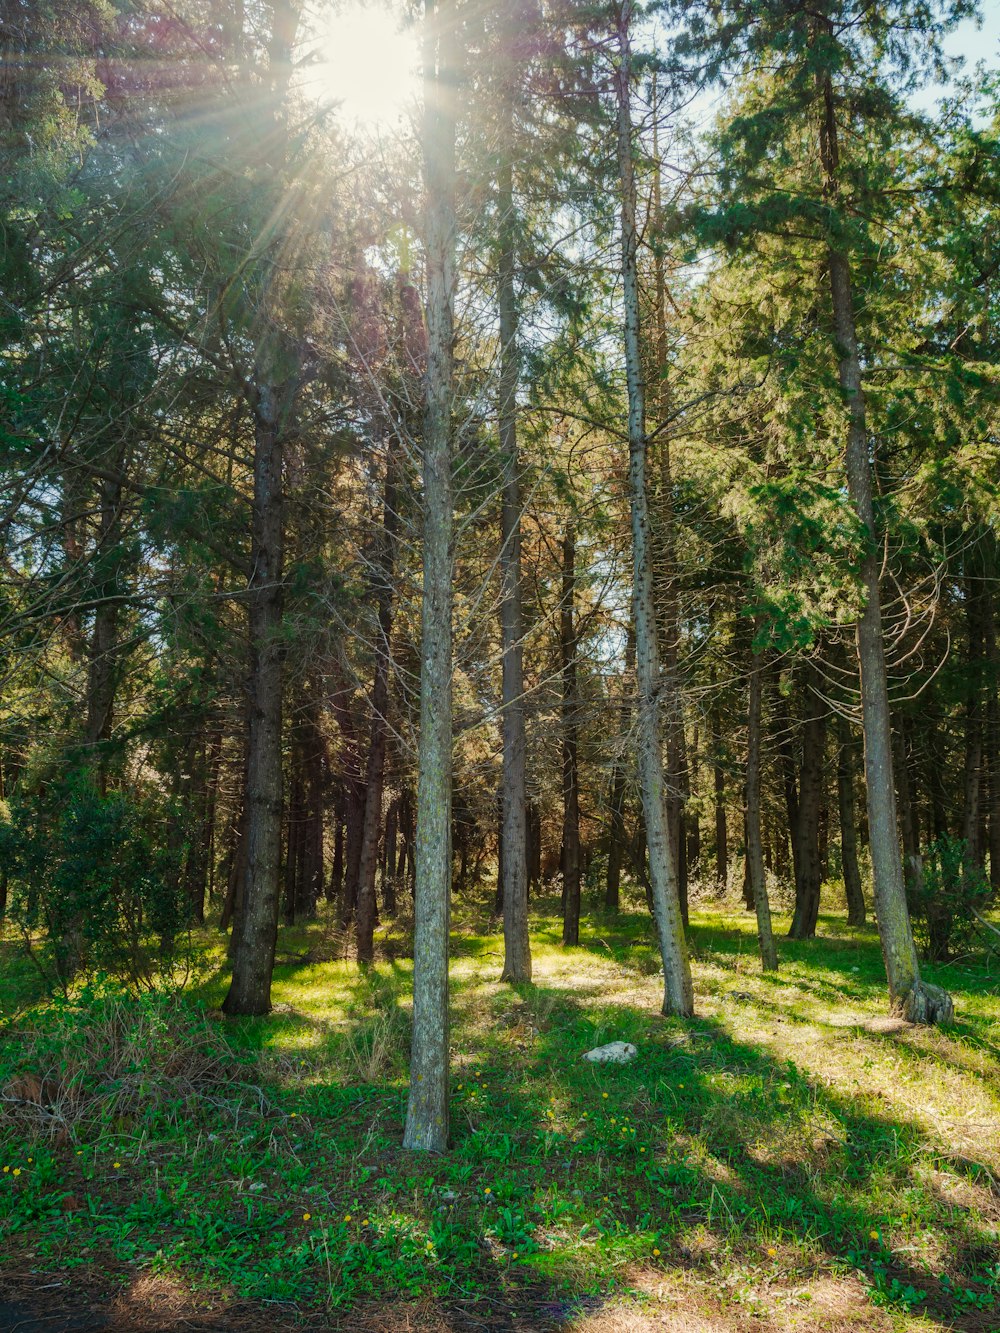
pixel 786 1134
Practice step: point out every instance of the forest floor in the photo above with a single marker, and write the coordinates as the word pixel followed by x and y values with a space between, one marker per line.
pixel 792 1159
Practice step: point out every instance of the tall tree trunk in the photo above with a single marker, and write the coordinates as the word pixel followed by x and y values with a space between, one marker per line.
pixel 992 730
pixel 570 859
pixel 274 390
pixel 809 872
pixel 427 1109
pixel 909 823
pixel 972 784
pixel 678 997
pixel 755 853
pixel 848 832
pixel 103 649
pixel 514 800
pixel 919 1001
pixel 385 564
pixel 256 926
pixel 617 836
pixel 719 784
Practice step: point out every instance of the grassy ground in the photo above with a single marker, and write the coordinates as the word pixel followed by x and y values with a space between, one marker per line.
pixel 791 1159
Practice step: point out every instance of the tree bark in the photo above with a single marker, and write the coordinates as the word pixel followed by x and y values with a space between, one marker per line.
pixel 513 888
pixel 385 563
pixel 719 785
pixel 678 995
pixel 755 852
pixel 809 872
pixel 848 832
pixel 427 1108
pixel 617 835
pixel 570 858
pixel 908 993
pixel 256 925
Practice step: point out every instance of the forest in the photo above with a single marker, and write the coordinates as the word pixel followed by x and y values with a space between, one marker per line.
pixel 499 557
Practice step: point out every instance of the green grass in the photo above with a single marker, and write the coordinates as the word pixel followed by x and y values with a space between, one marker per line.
pixel 789 1150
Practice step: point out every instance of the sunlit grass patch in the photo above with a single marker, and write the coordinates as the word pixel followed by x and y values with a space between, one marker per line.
pixel 788 1117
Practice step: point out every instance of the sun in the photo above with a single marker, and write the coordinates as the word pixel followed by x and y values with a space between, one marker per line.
pixel 366 61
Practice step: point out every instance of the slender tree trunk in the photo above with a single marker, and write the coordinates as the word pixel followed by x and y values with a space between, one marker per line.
pixel 256 928
pixel 755 853
pixel 617 836
pixel 919 1001
pixel 972 784
pixel 909 823
pixel 385 564
pixel 570 860
pixel 103 649
pixel 848 832
pixel 810 803
pixel 678 995
pixel 513 885
pixel 719 784
pixel 427 1109
pixel 992 732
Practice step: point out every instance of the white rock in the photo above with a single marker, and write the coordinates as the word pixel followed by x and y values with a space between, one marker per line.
pixel 615 1053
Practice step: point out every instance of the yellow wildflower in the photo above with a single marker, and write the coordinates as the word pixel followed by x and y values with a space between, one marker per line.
pixel 347 1217
pixel 656 1252
pixel 873 1235
pixel 772 1252
pixel 17 1170
pixel 306 1217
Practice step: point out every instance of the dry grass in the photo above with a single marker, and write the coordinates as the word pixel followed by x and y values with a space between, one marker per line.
pixel 120 1059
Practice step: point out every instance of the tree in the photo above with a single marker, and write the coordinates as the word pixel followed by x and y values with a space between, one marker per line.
pixel 427 1108
pixel 678 997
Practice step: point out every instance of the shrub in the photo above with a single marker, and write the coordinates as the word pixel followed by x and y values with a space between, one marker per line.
pixel 944 907
pixel 107 1057
pixel 99 875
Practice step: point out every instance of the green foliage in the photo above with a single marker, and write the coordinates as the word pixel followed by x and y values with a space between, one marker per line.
pixel 99 875
pixel 944 908
pixel 262 1158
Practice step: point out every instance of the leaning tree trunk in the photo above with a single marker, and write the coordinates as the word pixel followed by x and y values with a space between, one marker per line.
pixel 427 1109
pixel 513 868
pixel 918 1001
pixel 755 852
pixel 571 868
pixel 678 997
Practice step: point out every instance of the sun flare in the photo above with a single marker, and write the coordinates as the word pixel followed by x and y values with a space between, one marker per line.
pixel 366 61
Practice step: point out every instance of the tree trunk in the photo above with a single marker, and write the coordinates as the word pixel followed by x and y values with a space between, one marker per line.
pixel 755 853
pixel 275 385
pixel 513 879
pixel 918 1001
pixel 570 859
pixel 678 995
pixel 809 872
pixel 617 836
pixel 719 783
pixel 256 928
pixel 427 1108
pixel 384 566
pixel 972 784
pixel 909 824
pixel 848 833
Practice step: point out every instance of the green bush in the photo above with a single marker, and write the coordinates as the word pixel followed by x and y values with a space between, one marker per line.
pixel 97 876
pixel 944 908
